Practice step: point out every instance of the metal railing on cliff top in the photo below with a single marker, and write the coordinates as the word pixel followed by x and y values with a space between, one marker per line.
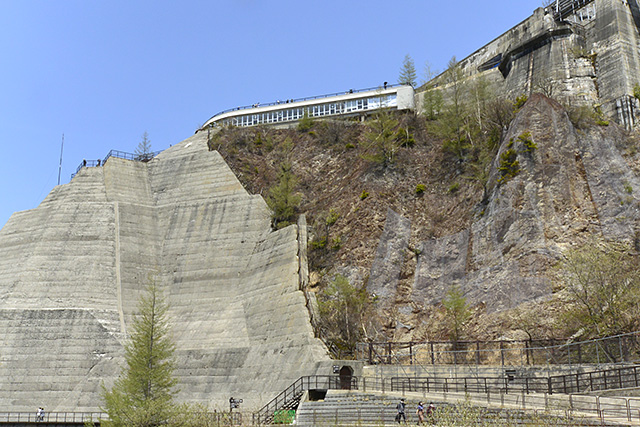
pixel 144 157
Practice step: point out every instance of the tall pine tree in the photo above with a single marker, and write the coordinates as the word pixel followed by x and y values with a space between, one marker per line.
pixel 143 394
pixel 408 74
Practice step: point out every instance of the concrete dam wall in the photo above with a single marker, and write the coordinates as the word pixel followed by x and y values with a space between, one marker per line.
pixel 72 269
pixel 578 51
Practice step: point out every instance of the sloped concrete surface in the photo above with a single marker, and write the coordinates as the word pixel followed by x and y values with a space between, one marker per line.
pixel 71 272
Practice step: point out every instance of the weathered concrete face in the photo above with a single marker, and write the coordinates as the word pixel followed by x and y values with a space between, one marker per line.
pixel 73 268
pixel 591 57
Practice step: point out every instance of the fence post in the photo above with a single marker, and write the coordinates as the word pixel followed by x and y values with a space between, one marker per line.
pixel 579 354
pixel 620 347
pixel 370 353
pixel 620 377
pixel 433 356
pixel 389 354
pixel 410 353
pixel 477 352
pixel 502 352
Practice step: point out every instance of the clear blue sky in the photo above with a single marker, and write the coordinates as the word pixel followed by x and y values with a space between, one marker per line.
pixel 104 72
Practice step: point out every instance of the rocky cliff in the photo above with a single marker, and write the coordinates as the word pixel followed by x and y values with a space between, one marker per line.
pixel 497 242
pixel 570 184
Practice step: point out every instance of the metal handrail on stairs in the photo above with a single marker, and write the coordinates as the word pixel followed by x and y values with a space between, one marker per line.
pixel 291 396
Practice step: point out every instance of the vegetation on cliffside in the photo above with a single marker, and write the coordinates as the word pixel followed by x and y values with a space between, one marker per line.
pixel 432 168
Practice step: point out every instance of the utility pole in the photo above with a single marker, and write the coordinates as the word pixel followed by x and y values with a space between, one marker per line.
pixel 60 167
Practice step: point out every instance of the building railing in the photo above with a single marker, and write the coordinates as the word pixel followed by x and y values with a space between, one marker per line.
pixel 309 98
pixel 616 349
pixel 564 8
pixel 145 157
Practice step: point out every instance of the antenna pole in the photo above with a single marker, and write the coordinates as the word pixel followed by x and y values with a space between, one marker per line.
pixel 60 167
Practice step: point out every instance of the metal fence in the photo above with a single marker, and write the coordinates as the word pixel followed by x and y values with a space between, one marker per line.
pixel 290 397
pixel 580 382
pixel 50 417
pixel 616 349
pixel 215 418
pixel 144 157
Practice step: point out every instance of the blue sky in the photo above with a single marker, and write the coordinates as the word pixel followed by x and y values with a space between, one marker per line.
pixel 104 72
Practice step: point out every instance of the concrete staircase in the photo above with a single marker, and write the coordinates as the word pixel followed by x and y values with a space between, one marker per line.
pixel 346 408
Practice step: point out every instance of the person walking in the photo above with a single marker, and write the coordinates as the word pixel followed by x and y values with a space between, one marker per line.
pixel 400 408
pixel 420 413
pixel 430 413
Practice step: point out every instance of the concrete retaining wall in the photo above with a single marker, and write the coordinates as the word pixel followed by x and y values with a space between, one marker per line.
pixel 71 272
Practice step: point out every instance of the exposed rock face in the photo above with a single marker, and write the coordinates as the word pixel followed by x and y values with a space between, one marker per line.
pixel 72 269
pixel 386 267
pixel 573 183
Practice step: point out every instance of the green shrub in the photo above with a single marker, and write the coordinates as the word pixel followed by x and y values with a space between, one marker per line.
pixel 306 123
pixel 509 165
pixel 405 138
pixel 601 122
pixel 453 188
pixel 349 146
pixel 520 101
pixel 364 195
pixel 332 217
pixel 636 91
pixel 529 145
pixel 336 243
pixel 420 188
pixel 319 243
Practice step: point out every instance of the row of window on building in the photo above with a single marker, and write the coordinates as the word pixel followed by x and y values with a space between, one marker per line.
pixel 320 110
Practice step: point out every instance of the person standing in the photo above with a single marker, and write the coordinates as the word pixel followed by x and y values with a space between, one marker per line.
pixel 400 407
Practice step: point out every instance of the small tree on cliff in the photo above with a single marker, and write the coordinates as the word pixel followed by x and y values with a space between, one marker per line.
pixel 457 313
pixel 381 139
pixel 283 200
pixel 603 283
pixel 143 394
pixel 143 150
pixel 344 314
pixel 408 74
